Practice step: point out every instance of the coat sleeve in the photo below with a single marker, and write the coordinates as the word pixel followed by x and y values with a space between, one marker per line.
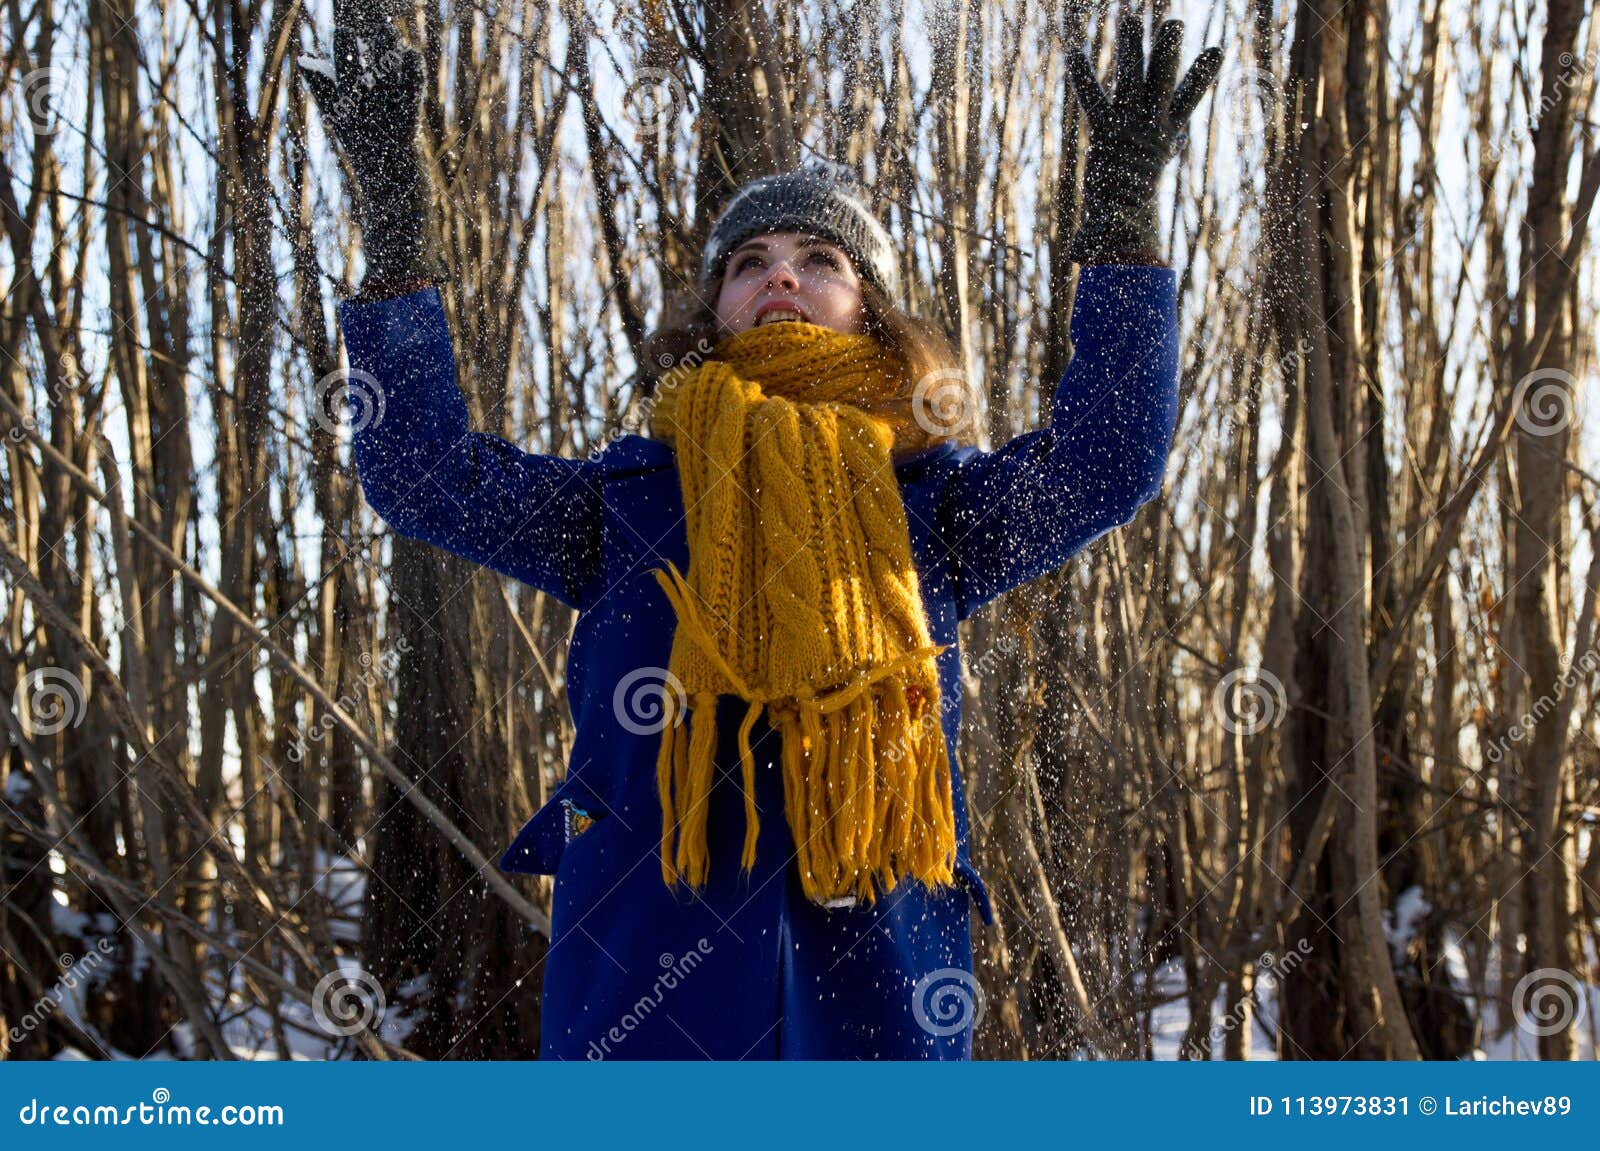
pixel 533 517
pixel 1013 514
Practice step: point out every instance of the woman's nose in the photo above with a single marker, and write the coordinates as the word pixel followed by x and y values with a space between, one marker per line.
pixel 782 274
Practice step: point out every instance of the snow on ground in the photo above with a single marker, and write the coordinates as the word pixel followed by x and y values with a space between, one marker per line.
pixel 1520 1041
pixel 1401 921
pixel 1169 1023
pixel 248 1029
pixel 341 883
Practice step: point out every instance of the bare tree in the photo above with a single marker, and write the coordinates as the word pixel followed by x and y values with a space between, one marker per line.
pixel 1301 757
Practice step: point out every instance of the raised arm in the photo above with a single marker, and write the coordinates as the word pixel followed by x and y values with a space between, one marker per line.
pixel 1013 514
pixel 533 517
pixel 370 96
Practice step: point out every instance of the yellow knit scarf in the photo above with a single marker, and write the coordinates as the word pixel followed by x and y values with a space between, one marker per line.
pixel 802 597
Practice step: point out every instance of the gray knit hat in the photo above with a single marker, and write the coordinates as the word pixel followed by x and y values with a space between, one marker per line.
pixel 821 197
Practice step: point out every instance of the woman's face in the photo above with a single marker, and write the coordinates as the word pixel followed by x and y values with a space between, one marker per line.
pixel 805 272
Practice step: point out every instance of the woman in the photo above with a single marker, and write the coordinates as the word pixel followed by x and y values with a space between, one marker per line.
pixel 760 847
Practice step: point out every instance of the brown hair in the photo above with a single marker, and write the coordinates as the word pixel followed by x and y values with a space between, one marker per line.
pixel 927 350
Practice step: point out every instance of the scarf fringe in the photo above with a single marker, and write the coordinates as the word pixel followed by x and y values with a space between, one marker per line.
pixel 886 812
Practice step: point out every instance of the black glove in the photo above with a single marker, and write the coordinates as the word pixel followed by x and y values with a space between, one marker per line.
pixel 369 96
pixel 1132 136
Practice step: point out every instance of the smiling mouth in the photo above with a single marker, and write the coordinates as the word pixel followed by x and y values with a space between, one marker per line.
pixel 778 316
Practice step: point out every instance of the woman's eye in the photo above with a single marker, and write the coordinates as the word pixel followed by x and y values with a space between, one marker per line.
pixel 744 263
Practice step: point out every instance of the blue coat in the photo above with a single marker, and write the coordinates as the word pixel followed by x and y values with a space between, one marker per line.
pixel 748 968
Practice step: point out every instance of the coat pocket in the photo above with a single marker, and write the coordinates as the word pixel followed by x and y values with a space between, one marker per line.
pixel 568 816
pixel 975 887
